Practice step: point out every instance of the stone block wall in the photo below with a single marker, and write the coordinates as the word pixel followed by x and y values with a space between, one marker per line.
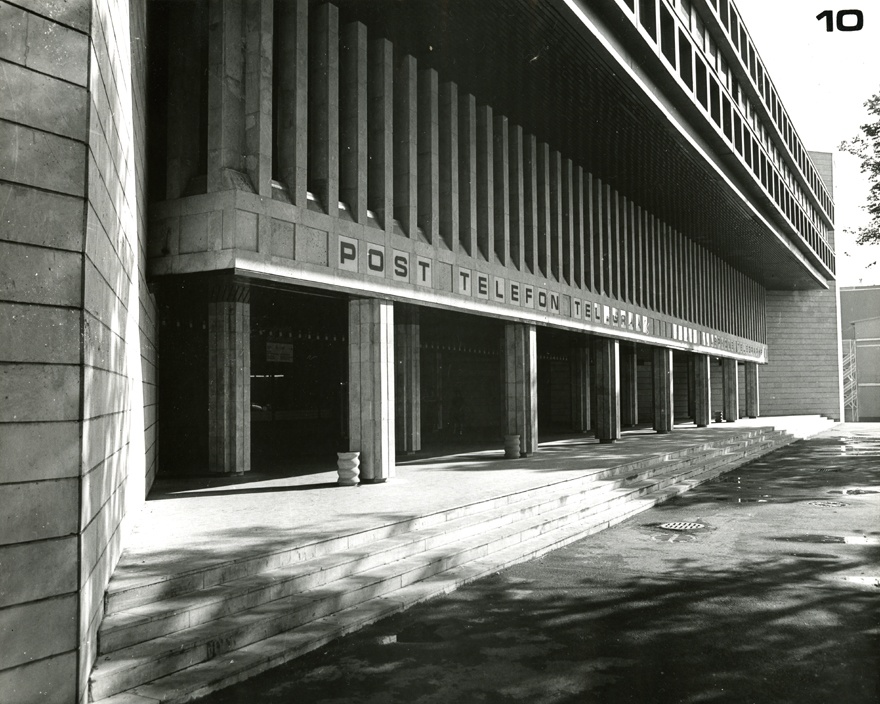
pixel 77 362
pixel 44 97
pixel 803 375
pixel 119 317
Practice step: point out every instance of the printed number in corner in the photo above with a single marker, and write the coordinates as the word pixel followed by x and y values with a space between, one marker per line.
pixel 844 20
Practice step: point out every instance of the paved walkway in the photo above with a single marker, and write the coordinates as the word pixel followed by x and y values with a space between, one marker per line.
pixel 191 523
pixel 775 599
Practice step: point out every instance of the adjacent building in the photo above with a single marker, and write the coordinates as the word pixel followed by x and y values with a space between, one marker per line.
pixel 860 332
pixel 265 232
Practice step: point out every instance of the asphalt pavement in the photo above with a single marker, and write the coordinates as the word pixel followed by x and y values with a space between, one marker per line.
pixel 762 586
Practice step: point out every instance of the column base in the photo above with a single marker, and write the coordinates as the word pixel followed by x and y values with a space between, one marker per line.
pixel 606 441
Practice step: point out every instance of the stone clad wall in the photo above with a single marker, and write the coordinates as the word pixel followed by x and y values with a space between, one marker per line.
pixel 803 375
pixel 119 365
pixel 77 363
pixel 44 57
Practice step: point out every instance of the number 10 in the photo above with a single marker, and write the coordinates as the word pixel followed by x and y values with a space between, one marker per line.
pixel 858 20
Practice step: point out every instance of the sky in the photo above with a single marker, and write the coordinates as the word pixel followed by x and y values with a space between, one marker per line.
pixel 823 79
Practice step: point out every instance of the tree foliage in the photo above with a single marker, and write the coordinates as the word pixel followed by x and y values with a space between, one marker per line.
pixel 866 147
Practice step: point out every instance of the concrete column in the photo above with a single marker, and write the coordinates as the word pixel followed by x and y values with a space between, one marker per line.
pixel 229 380
pixel 663 398
pixel 753 404
pixel 629 383
pixel 258 16
pixel 225 91
pixel 521 384
pixel 580 388
pixel 607 361
pixel 291 97
pixel 407 379
pixel 371 386
pixel 730 389
pixel 353 121
pixel 702 390
pixel 691 398
pixel 324 106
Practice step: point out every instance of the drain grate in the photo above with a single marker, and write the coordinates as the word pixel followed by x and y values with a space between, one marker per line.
pixel 858 492
pixel 827 504
pixel 681 525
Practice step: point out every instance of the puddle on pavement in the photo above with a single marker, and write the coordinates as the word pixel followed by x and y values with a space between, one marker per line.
pixel 419 633
pixel 832 539
pixel 825 539
pixel 862 581
pixel 814 556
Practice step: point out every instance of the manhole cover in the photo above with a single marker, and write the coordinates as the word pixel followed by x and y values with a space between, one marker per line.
pixel 827 504
pixel 681 525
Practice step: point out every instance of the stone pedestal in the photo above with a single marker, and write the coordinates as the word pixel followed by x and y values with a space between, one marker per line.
pixel 371 386
pixel 348 468
pixel 702 390
pixel 511 447
pixel 407 379
pixel 730 389
pixel 753 404
pixel 229 380
pixel 664 416
pixel 606 354
pixel 521 384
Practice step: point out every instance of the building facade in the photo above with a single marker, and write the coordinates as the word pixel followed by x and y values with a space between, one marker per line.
pixel 380 227
pixel 860 332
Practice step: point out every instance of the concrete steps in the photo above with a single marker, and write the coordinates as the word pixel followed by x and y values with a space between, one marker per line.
pixel 166 640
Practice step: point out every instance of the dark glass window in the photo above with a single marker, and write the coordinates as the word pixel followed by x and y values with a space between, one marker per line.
pixel 648 17
pixel 685 60
pixel 701 83
pixel 714 101
pixel 667 35
pixel 725 113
